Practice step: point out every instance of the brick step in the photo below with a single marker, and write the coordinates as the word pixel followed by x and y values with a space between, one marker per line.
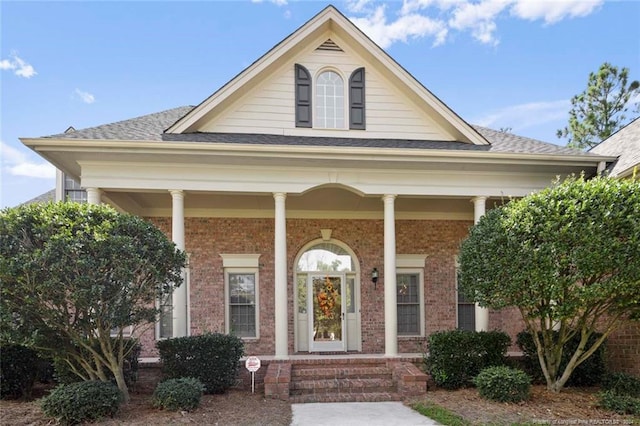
pixel 298 387
pixel 345 397
pixel 332 372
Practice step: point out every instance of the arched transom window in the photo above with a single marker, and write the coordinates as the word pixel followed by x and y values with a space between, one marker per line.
pixel 329 101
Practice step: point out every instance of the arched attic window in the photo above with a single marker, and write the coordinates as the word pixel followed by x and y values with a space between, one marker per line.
pixel 330 101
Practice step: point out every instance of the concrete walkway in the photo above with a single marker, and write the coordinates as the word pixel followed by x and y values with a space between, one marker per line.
pixel 357 414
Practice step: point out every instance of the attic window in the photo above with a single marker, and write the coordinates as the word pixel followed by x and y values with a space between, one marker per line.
pixel 331 99
pixel 330 45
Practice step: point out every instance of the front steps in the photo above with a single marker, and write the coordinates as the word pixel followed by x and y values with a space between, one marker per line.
pixel 344 380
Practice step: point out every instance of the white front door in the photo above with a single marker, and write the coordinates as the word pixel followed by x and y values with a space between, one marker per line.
pixel 327 312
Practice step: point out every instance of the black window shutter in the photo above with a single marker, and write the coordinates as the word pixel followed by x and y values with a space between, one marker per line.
pixel 356 100
pixel 303 97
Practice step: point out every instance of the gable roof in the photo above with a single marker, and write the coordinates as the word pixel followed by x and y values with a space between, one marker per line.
pixel 329 19
pixel 151 128
pixel 625 144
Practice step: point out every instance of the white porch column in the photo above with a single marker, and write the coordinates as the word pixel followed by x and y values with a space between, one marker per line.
pixel 94 195
pixel 481 314
pixel 179 294
pixel 390 297
pixel 280 276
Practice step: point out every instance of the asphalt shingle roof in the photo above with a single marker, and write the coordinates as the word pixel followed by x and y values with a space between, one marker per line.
pixel 151 128
pixel 625 144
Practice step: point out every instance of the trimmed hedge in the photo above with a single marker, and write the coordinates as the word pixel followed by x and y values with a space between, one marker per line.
pixel 589 373
pixel 456 357
pixel 63 373
pixel 178 394
pixel 211 358
pixel 503 384
pixel 18 371
pixel 83 401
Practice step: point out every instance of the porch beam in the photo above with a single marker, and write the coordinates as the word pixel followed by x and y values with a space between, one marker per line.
pixel 481 314
pixel 390 297
pixel 180 293
pixel 280 277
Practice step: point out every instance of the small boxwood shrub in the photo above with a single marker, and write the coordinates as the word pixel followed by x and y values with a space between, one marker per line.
pixel 83 401
pixel 589 373
pixel 211 358
pixel 503 384
pixel 621 404
pixel 18 371
pixel 622 384
pixel 178 394
pixel 456 357
pixel 63 373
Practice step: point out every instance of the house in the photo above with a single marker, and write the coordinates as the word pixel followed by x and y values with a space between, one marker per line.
pixel 624 344
pixel 321 195
pixel 625 146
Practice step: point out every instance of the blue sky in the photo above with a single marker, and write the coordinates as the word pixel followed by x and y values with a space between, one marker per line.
pixel 498 63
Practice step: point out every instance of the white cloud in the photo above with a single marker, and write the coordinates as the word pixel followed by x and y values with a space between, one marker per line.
pixel 554 11
pixel 405 27
pixel 276 2
pixel 18 66
pixel 17 163
pixel 85 97
pixel 519 117
pixel 438 18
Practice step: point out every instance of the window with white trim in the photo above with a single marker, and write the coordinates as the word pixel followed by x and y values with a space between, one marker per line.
pixel 410 294
pixel 241 279
pixel 329 101
pixel 408 284
pixel 466 317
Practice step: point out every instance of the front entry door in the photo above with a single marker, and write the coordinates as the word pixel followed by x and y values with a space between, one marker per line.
pixel 327 331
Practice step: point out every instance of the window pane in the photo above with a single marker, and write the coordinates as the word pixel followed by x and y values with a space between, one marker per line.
pixel 408 319
pixel 243 320
pixel 329 101
pixel 407 285
pixel 351 294
pixel 166 317
pixel 242 288
pixel 466 317
pixel 302 293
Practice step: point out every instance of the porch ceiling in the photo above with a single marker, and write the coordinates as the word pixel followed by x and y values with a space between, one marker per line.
pixel 328 202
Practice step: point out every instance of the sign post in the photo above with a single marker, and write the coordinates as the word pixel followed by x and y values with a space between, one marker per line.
pixel 253 364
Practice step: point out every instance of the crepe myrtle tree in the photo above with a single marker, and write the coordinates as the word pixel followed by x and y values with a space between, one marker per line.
pixel 72 275
pixel 568 258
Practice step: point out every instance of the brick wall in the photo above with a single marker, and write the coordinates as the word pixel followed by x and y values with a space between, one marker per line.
pixel 207 238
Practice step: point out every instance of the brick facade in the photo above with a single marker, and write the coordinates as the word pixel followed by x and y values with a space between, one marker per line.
pixel 207 238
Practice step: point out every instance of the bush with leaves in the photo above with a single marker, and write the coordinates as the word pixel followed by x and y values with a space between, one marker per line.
pixel 18 371
pixel 178 394
pixel 566 258
pixel 621 393
pixel 456 357
pixel 212 358
pixel 83 401
pixel 503 384
pixel 589 373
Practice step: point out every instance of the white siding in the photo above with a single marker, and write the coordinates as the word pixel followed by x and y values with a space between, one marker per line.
pixel 270 109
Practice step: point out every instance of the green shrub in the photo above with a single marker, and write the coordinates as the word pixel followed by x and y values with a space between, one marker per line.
pixel 621 404
pixel 456 357
pixel 622 384
pixel 18 371
pixel 83 401
pixel 178 394
pixel 63 373
pixel 588 373
pixel 211 358
pixel 503 384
